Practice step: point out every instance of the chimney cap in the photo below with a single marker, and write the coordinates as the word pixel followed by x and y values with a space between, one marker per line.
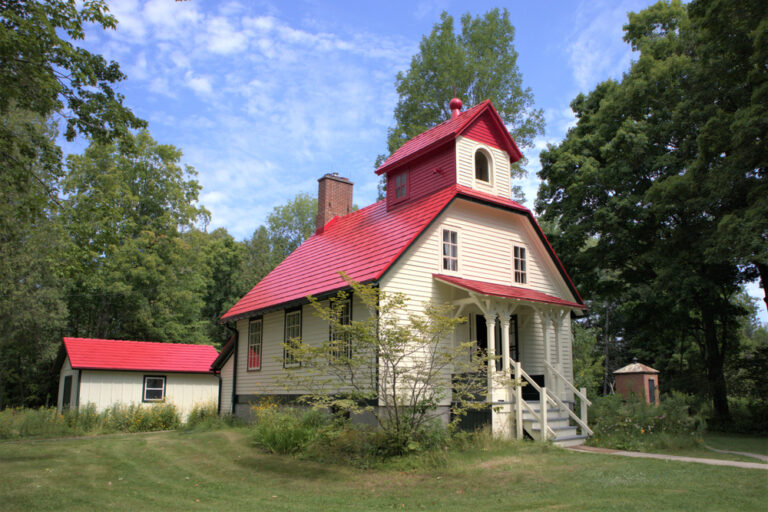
pixel 334 176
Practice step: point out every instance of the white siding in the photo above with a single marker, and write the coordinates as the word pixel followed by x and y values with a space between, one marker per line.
pixel 486 238
pixel 272 378
pixel 227 372
pixel 499 167
pixel 185 390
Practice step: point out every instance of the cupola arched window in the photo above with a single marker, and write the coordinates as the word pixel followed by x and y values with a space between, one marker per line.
pixel 482 166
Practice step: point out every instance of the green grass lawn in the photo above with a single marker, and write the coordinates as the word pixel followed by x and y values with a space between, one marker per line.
pixel 738 443
pixel 221 470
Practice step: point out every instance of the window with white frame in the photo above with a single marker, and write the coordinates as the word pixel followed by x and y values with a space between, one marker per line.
pixel 342 343
pixel 520 265
pixel 154 388
pixel 482 166
pixel 401 185
pixel 450 250
pixel 292 338
pixel 255 336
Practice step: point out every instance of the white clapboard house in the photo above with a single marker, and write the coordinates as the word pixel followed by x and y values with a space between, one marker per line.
pixel 448 231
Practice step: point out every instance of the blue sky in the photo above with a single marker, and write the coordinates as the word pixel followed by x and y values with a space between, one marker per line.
pixel 265 97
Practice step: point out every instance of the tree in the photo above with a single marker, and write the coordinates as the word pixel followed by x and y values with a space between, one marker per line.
pixel 648 184
pixel 132 273
pixel 287 227
pixel 481 64
pixel 402 362
pixel 32 308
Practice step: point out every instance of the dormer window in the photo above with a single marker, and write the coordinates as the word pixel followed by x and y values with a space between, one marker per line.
pixel 482 166
pixel 401 184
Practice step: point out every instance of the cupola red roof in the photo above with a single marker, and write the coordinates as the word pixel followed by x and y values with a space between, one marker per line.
pixel 448 131
pixel 363 244
pixel 100 354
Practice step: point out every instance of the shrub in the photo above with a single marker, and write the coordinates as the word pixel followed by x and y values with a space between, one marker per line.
pixel 287 431
pixel 140 418
pixel 631 424
pixel 202 413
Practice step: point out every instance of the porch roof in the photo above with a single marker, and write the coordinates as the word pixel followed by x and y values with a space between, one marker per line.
pixel 505 291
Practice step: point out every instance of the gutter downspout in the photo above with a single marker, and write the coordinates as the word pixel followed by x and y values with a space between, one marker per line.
pixel 233 405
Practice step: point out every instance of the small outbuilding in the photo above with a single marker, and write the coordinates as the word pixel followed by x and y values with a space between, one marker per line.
pixel 638 379
pixel 108 372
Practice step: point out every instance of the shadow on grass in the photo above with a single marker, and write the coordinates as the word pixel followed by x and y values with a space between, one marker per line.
pixel 290 467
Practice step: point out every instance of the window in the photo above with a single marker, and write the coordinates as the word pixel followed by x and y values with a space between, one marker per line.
pixel 342 342
pixel 482 167
pixel 66 398
pixel 519 264
pixel 401 189
pixel 255 335
pixel 154 388
pixel 292 335
pixel 450 250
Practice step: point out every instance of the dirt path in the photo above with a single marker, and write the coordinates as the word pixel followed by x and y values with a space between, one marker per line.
pixel 763 458
pixel 660 456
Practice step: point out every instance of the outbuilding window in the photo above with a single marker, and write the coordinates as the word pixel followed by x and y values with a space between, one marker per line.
pixel 292 338
pixel 520 265
pixel 255 335
pixel 482 166
pixel 154 388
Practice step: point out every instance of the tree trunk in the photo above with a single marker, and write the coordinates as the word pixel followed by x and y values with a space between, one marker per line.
pixel 762 268
pixel 713 360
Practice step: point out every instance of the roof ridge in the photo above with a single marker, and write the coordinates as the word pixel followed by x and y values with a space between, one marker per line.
pixel 101 340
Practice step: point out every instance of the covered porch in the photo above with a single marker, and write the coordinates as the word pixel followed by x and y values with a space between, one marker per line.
pixel 528 335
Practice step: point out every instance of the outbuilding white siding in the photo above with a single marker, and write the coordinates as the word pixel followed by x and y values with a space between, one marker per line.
pixel 104 388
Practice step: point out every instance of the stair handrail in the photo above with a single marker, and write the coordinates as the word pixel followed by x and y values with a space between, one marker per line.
pixel 564 407
pixel 581 394
pixel 545 399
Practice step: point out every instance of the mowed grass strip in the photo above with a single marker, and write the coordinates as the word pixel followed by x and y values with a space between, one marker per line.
pixel 222 470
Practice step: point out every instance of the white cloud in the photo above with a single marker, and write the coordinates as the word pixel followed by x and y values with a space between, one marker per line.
pixel 597 51
pixel 199 84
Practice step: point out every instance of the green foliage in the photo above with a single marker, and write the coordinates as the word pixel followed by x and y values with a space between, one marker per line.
pixel 660 189
pixel 399 360
pixel 132 273
pixel 202 413
pixel 48 422
pixel 631 424
pixel 287 431
pixel 481 63
pixel 287 227
pixel 588 369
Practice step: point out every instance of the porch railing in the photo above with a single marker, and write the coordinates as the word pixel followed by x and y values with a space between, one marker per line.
pixel 582 394
pixel 546 397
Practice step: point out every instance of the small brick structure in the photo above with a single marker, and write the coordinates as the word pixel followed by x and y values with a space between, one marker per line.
pixel 334 198
pixel 638 379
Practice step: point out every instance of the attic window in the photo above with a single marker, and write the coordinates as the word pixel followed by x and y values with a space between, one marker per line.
pixel 401 189
pixel 450 250
pixel 482 166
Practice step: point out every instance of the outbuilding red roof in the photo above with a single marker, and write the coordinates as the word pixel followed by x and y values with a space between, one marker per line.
pixel 99 354
pixel 363 244
pixel 505 291
pixel 446 131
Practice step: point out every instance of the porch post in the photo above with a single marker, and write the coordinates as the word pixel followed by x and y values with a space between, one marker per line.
pixel 505 343
pixel 544 318
pixel 490 323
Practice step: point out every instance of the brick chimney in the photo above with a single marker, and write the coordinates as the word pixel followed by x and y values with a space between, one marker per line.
pixel 334 197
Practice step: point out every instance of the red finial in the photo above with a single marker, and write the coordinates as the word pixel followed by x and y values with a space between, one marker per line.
pixel 455 105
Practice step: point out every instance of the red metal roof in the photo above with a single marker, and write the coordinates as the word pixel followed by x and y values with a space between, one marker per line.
pixel 363 244
pixel 447 131
pixel 509 292
pixel 98 354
